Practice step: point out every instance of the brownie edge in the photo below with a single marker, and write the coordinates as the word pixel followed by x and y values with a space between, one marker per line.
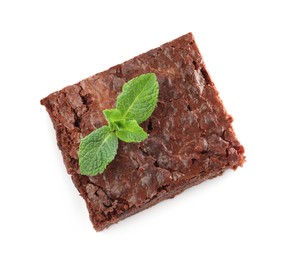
pixel 191 138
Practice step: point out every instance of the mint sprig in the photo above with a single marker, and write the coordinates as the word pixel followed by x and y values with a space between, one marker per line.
pixel 134 105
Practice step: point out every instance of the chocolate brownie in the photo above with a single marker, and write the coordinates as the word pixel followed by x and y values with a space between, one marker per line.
pixel 191 138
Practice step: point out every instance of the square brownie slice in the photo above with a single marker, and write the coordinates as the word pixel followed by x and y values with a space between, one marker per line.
pixel 191 138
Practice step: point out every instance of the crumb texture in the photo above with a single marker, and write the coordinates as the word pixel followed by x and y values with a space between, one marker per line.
pixel 190 134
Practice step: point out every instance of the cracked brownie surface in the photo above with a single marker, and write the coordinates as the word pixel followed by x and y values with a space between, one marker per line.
pixel 190 134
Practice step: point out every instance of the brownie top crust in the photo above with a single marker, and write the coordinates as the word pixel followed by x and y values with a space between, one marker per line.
pixel 190 132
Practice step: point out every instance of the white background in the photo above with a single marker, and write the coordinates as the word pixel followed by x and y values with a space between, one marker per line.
pixel 47 45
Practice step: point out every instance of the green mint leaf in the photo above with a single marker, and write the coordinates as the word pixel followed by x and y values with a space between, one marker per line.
pixel 130 131
pixel 138 98
pixel 112 115
pixel 97 150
